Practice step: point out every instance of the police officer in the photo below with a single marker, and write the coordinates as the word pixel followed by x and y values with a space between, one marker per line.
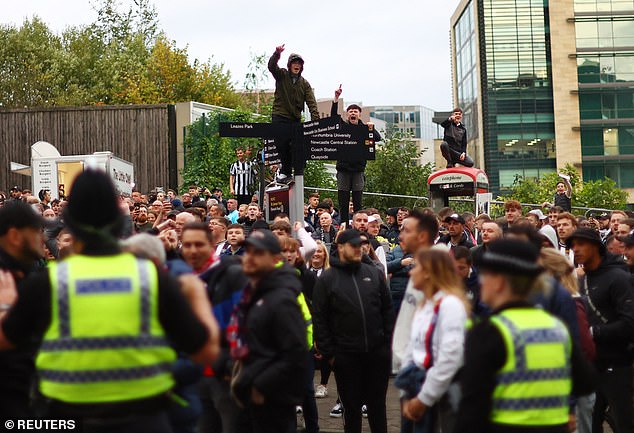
pixel 520 365
pixel 105 318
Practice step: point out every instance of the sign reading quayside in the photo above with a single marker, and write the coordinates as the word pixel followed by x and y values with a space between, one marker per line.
pixel 326 139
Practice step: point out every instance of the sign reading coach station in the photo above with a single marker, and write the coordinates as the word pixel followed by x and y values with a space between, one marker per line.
pixel 326 139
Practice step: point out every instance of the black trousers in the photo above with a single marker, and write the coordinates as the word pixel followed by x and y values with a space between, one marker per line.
pixel 284 146
pixel 243 198
pixel 362 378
pixel 344 201
pixel 453 156
pixel 615 391
pixel 273 418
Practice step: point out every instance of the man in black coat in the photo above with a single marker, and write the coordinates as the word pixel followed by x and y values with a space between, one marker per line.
pixel 350 174
pixel 268 338
pixel 454 144
pixel 353 320
pixel 21 246
pixel 608 291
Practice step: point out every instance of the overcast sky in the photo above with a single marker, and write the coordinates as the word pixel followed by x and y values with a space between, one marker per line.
pixel 383 52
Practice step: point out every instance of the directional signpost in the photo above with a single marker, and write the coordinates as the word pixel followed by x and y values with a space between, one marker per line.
pixel 327 139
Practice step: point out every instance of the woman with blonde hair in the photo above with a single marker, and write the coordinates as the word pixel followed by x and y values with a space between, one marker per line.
pixel 436 348
pixel 320 261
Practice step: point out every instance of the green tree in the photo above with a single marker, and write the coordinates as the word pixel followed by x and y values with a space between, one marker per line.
pixel 28 57
pixel 208 156
pixel 121 58
pixel 594 194
pixel 396 171
pixel 316 175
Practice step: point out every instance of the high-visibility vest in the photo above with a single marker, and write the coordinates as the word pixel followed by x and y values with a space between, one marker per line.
pixel 105 342
pixel 534 385
pixel 308 319
pixel 303 305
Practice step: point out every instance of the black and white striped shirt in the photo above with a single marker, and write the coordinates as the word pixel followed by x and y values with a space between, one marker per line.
pixel 244 175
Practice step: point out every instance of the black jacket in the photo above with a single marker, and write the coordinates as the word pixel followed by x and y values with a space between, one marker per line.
pixel 609 290
pixel 353 166
pixel 277 341
pixel 455 135
pixel 352 309
pixel 17 366
pixel 225 282
pixel 465 241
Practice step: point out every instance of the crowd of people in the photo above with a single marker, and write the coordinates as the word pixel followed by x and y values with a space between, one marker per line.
pixel 512 324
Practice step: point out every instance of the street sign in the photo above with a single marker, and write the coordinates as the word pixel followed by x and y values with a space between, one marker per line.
pixel 254 130
pixel 327 139
pixel 271 154
pixel 333 140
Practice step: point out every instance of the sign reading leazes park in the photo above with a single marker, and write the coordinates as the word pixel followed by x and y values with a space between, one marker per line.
pixel 326 139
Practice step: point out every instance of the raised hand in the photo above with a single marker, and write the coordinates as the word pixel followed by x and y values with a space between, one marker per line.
pixel 279 49
pixel 338 93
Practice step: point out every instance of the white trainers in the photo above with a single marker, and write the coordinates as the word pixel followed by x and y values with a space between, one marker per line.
pixel 321 391
pixel 337 411
pixel 364 411
pixel 282 178
pixel 299 410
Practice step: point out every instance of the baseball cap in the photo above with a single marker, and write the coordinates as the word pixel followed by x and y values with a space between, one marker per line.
pixel 264 240
pixel 538 213
pixel 15 188
pixel 455 217
pixel 350 236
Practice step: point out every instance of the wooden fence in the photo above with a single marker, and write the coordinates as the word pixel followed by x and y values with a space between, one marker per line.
pixel 141 134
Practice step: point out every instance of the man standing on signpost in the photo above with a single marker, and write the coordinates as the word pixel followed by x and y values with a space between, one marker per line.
pixel 350 174
pixel 292 91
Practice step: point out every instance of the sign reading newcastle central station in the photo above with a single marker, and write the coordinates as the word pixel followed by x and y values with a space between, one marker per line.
pixel 326 139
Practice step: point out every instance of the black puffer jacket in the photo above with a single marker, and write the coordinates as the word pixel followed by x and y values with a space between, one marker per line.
pixel 276 337
pixel 610 311
pixel 352 309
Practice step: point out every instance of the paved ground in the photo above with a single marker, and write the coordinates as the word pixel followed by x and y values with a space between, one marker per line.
pixel 324 405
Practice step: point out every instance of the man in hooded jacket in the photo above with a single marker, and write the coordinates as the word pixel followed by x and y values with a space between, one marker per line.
pixel 292 91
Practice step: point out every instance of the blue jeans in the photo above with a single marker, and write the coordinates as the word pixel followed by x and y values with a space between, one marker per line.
pixel 410 380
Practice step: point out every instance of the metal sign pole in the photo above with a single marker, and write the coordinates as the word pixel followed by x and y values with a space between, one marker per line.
pixel 297 200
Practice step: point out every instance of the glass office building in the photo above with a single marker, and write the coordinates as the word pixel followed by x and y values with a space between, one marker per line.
pixel 605 66
pixel 506 56
pixel 414 121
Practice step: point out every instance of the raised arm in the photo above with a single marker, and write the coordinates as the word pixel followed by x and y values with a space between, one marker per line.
pixel 273 67
pixel 335 102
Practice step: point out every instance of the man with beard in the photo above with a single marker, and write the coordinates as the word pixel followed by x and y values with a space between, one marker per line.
pixel 142 224
pixel 354 319
pixel 456 235
pixel 268 338
pixel 21 245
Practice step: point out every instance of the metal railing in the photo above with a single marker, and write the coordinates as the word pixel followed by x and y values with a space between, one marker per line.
pixel 456 199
